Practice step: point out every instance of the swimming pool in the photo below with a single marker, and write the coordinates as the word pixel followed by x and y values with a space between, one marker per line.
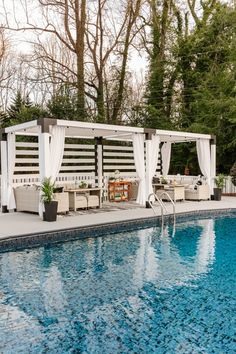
pixel 142 291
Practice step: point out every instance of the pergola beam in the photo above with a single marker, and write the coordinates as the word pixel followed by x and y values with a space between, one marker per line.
pixel 21 127
pixel 107 131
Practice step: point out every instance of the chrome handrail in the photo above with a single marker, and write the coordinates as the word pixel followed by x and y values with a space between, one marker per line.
pixel 171 200
pixel 159 200
pixel 160 203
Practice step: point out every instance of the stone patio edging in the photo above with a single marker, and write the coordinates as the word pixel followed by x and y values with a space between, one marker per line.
pixel 14 243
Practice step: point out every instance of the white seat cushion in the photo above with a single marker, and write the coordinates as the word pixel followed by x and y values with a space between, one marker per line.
pixel 93 201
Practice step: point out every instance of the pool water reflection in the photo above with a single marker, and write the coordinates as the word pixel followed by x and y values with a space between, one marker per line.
pixel 140 291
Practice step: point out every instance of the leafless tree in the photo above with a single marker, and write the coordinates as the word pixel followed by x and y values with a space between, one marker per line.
pixel 64 21
pixel 79 43
pixel 6 68
pixel 103 34
pixel 132 13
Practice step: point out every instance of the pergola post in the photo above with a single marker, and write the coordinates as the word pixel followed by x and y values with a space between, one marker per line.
pixel 3 171
pixel 148 142
pixel 44 155
pixel 213 161
pixel 99 160
pixel 44 146
pixel 161 161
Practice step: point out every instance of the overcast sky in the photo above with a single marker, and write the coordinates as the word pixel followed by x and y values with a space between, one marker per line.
pixel 14 10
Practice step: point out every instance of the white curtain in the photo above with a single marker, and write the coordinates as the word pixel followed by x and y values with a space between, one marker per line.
pixel 51 155
pixel 152 153
pixel 56 150
pixel 204 158
pixel 165 157
pixel 138 144
pixel 4 185
pixel 11 159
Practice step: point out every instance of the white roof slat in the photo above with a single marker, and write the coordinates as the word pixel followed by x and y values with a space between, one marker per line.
pixel 79 153
pixel 119 167
pixel 117 148
pixel 118 161
pixel 78 161
pixel 79 146
pixel 121 154
pixel 76 168
pixel 27 152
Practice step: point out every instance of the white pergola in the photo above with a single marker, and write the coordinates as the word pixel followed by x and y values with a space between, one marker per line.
pixel 51 135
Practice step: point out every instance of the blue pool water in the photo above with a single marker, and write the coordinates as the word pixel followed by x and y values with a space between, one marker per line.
pixel 134 292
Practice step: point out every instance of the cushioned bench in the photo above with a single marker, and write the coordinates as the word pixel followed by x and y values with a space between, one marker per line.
pixel 93 201
pixel 77 201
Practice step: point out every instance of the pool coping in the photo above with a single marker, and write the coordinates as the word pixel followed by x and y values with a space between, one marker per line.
pixel 38 239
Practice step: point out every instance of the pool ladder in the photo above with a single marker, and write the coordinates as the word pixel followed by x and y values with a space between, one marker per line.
pixel 163 208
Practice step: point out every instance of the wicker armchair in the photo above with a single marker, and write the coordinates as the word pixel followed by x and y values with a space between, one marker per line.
pixel 202 192
pixel 134 190
pixel 27 199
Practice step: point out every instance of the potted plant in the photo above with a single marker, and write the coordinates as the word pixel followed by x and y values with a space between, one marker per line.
pixel 163 180
pixel 219 181
pixel 117 175
pixel 50 205
pixel 111 179
pixel 83 185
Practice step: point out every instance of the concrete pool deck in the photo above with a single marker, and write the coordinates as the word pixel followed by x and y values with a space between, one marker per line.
pixel 18 224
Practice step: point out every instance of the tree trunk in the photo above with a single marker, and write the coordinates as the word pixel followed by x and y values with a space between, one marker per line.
pixel 80 14
pixel 133 13
pixel 119 97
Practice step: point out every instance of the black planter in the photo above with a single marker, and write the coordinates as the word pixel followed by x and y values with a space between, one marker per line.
pixel 50 213
pixel 148 205
pixel 217 193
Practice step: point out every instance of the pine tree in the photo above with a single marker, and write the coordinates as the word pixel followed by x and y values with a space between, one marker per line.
pixel 27 102
pixel 212 102
pixel 3 119
pixel 14 109
pixel 63 105
pixel 22 110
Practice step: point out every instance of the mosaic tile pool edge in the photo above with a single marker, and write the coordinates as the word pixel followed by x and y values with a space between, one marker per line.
pixel 14 243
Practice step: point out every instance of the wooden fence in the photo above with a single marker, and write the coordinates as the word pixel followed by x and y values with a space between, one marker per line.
pixel 79 163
